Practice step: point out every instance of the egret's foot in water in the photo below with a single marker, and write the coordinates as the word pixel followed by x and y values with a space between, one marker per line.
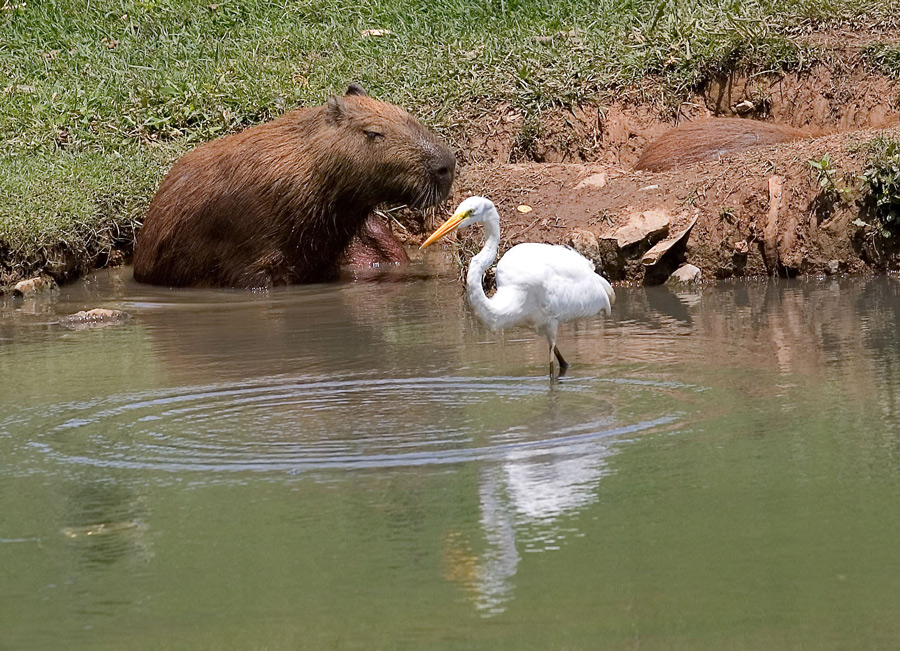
pixel 563 364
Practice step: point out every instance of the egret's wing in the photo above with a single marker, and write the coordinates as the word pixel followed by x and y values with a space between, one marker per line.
pixel 559 280
pixel 530 264
pixel 567 297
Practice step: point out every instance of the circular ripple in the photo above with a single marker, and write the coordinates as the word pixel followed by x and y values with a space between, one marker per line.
pixel 297 424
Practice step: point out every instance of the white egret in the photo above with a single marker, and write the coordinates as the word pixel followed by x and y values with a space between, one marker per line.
pixel 538 285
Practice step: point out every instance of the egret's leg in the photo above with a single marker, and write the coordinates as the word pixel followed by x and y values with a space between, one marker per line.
pixel 563 364
pixel 550 333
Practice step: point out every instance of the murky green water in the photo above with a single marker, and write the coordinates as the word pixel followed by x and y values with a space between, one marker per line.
pixel 362 466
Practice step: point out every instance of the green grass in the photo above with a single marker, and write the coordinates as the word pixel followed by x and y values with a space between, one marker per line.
pixel 884 58
pixel 89 90
pixel 65 212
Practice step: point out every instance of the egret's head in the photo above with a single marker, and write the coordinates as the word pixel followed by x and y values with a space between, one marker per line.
pixel 471 211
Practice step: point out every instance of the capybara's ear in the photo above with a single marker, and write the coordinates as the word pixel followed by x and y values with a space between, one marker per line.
pixel 356 89
pixel 334 109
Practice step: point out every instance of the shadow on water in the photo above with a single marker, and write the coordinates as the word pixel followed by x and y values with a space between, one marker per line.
pixel 105 524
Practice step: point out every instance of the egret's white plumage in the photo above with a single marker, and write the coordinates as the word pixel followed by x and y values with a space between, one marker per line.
pixel 538 285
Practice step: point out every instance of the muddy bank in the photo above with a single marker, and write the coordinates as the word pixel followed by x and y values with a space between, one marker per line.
pixel 759 213
pixel 756 213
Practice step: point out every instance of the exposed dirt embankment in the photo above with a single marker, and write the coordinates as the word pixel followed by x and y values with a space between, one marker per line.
pixel 753 214
pixel 749 210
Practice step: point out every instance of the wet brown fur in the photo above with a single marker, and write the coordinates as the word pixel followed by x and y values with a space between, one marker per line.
pixel 278 203
pixel 705 140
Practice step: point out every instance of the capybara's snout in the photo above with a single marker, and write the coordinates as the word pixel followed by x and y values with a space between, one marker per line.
pixel 442 168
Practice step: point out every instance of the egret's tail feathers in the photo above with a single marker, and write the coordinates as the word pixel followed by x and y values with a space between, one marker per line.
pixel 609 292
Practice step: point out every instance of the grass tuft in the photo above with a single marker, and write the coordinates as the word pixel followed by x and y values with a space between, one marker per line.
pixel 884 59
pixel 881 182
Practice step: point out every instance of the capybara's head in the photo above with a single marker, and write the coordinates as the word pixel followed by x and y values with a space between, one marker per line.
pixel 384 153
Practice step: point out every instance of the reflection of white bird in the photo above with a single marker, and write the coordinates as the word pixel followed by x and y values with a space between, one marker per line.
pixel 538 285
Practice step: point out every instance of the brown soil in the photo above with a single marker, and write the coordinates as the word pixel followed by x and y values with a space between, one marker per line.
pixel 730 198
pixel 758 212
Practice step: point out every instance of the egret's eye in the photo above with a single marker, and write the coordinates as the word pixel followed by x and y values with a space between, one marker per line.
pixel 374 135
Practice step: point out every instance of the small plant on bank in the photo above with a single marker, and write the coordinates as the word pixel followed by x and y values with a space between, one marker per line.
pixel 525 144
pixel 826 176
pixel 881 183
pixel 884 58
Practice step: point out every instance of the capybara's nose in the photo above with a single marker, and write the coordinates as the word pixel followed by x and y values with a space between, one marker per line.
pixel 444 168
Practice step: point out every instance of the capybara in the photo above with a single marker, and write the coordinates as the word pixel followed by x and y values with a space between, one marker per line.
pixel 691 142
pixel 278 203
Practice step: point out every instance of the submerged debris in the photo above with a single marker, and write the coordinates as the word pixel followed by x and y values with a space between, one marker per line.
pixel 95 318
pixel 103 529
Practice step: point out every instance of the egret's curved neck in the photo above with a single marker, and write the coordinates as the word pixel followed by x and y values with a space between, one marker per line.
pixel 479 264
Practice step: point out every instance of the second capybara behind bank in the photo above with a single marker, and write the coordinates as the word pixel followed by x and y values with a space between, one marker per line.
pixel 705 140
pixel 278 203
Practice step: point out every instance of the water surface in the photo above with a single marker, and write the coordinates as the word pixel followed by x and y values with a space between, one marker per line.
pixel 363 466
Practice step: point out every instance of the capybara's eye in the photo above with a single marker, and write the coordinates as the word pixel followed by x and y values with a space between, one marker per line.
pixel 373 135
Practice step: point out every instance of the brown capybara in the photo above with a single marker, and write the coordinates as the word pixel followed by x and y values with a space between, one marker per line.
pixel 278 203
pixel 711 139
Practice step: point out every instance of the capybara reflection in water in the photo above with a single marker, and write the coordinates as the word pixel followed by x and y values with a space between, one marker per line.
pixel 705 140
pixel 278 203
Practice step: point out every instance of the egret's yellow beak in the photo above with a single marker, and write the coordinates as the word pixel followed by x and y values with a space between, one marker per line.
pixel 448 226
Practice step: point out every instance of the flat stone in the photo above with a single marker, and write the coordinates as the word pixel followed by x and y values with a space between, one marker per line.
pixel 598 180
pixel 686 274
pixel 34 286
pixel 658 250
pixel 647 225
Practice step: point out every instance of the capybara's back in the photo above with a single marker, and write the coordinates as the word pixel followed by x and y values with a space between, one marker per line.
pixel 278 203
pixel 711 139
